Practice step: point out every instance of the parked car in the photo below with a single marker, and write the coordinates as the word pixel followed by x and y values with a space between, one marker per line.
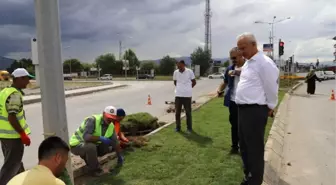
pixel 329 74
pixel 106 77
pixel 216 75
pixel 144 76
pixel 321 75
pixel 67 77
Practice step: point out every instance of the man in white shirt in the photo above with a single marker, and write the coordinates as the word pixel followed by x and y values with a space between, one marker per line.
pixel 184 80
pixel 256 97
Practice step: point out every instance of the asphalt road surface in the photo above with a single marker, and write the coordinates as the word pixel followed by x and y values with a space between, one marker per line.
pixel 309 149
pixel 132 98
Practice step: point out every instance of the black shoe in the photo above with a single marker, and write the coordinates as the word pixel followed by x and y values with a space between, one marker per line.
pixel 234 151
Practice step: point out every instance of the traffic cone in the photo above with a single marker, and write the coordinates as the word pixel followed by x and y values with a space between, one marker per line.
pixel 149 101
pixel 332 97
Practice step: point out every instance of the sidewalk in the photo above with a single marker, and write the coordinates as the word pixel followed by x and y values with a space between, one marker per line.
pixel 309 148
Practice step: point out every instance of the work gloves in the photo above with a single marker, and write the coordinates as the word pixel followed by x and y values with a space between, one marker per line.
pixel 105 140
pixel 25 138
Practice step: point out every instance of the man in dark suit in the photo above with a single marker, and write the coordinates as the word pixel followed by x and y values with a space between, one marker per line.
pixel 231 79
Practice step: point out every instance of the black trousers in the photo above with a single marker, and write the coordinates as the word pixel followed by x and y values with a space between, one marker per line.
pixel 12 150
pixel 90 152
pixel 252 120
pixel 233 118
pixel 186 102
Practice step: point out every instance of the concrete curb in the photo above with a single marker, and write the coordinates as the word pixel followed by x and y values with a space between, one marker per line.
pixel 81 169
pixel 274 145
pixel 77 92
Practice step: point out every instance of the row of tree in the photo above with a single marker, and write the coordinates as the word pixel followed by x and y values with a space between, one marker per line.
pixel 110 65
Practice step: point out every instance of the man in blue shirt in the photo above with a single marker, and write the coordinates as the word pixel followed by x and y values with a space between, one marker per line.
pixel 231 79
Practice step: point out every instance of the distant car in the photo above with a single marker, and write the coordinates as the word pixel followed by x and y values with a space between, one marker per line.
pixel 329 74
pixel 321 75
pixel 67 77
pixel 106 77
pixel 216 76
pixel 145 76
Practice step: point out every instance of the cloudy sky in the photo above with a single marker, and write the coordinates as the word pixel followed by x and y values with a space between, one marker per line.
pixel 156 28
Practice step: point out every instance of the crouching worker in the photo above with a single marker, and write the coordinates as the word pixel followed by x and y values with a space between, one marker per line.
pixel 120 135
pixel 96 137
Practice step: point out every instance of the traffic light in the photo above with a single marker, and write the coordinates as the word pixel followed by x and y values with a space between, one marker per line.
pixel 281 48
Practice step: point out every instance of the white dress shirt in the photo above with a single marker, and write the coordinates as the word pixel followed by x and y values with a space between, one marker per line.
pixel 258 82
pixel 235 84
pixel 183 82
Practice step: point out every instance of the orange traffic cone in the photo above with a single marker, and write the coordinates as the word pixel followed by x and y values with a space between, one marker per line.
pixel 332 97
pixel 149 101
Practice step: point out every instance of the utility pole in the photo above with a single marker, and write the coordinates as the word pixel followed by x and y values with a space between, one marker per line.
pixel 35 60
pixel 120 48
pixel 207 39
pixel 51 71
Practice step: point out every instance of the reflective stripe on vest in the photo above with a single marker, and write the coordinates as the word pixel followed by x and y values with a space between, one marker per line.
pixel 6 129
pixel 77 137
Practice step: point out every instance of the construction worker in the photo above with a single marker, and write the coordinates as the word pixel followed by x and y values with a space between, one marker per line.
pixel 120 135
pixel 14 130
pixel 94 138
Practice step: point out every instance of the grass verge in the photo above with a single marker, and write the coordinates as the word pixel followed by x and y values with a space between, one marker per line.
pixel 197 159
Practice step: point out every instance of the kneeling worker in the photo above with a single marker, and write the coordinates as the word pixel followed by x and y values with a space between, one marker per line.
pixel 120 135
pixel 95 136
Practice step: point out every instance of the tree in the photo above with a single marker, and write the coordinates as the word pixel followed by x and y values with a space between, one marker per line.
pixel 148 65
pixel 107 63
pixel 72 65
pixel 167 65
pixel 202 58
pixel 87 67
pixel 132 59
pixel 26 63
pixel 226 63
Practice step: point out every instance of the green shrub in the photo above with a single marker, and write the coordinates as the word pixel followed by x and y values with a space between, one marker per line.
pixel 142 121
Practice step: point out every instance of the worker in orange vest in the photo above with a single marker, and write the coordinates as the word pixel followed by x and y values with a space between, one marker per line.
pixel 120 135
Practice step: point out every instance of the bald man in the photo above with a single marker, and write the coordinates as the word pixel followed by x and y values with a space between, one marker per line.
pixel 256 97
pixel 231 79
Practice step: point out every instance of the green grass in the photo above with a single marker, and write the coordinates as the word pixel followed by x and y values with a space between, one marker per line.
pixel 197 159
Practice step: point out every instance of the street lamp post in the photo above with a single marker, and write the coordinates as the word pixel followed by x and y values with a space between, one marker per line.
pixel 272 30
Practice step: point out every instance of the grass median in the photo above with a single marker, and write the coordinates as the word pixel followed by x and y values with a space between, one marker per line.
pixel 196 159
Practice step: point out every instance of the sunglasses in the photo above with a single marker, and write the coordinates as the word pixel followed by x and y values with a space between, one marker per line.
pixel 233 58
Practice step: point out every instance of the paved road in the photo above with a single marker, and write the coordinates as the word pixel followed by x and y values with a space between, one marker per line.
pixel 132 98
pixel 310 146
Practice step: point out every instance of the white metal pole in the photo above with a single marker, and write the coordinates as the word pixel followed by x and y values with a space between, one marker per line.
pixel 51 71
pixel 35 60
pixel 273 41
